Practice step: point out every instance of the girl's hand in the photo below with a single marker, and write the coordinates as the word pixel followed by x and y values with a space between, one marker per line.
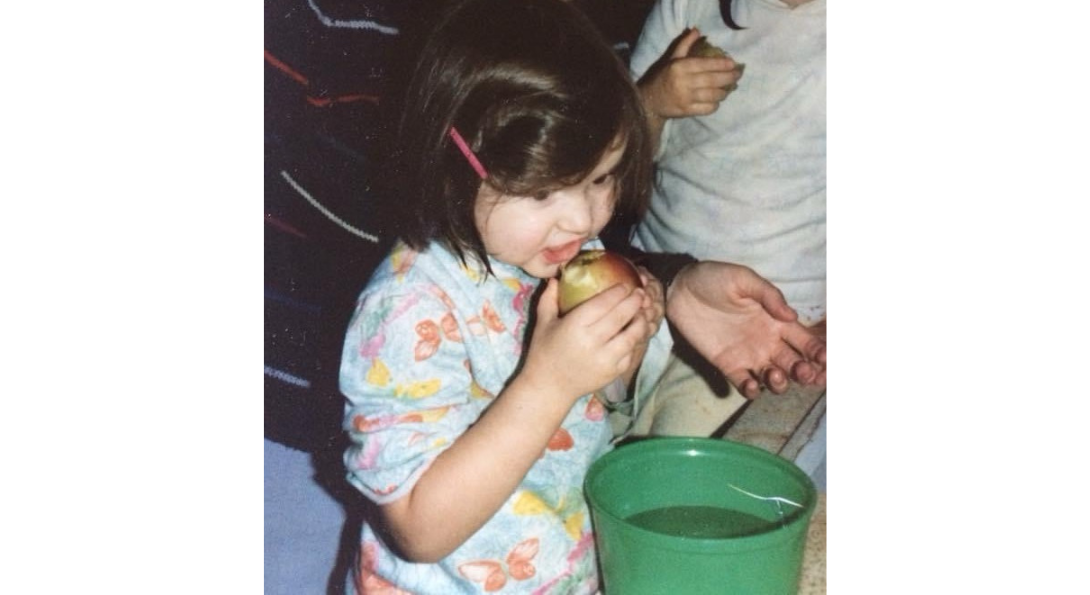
pixel 654 307
pixel 678 85
pixel 653 310
pixel 590 346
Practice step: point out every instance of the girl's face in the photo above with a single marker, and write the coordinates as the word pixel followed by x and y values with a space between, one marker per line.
pixel 539 236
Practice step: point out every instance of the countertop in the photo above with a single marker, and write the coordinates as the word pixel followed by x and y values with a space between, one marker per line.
pixel 812 579
pixel 783 424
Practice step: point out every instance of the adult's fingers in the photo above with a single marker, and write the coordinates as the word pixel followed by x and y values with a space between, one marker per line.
pixel 769 296
pixel 685 43
pixel 745 383
pixel 776 380
pixel 806 343
pixel 786 358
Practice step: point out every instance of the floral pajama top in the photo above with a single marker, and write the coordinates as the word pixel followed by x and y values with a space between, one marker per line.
pixel 430 344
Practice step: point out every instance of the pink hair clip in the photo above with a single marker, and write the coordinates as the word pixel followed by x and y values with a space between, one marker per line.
pixel 470 156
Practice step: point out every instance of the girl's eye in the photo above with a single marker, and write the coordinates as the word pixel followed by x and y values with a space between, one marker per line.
pixel 604 179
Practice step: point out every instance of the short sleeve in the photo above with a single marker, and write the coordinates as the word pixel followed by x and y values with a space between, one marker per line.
pixel 409 391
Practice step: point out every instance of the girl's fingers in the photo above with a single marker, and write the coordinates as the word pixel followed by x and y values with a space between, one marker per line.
pixel 623 345
pixel 548 306
pixel 601 306
pixel 606 316
pixel 628 309
pixel 619 319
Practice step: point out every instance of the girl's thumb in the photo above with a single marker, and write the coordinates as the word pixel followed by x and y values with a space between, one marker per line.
pixel 548 306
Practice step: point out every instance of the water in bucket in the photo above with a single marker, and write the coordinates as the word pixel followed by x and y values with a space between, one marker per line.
pixel 700 522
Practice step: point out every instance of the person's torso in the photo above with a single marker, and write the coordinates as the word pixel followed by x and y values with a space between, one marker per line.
pixel 540 540
pixel 747 184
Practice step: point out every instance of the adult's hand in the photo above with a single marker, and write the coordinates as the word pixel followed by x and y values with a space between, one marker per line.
pixel 678 85
pixel 741 323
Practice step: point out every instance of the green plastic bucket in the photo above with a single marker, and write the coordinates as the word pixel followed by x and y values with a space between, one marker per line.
pixel 698 516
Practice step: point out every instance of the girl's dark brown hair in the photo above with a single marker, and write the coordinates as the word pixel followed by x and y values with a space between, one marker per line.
pixel 539 97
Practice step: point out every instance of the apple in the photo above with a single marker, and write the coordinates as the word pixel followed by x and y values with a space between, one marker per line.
pixel 702 48
pixel 592 272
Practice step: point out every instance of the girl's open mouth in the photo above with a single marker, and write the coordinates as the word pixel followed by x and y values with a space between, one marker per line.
pixel 562 253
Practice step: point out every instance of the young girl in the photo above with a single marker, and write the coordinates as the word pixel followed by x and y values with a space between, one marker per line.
pixel 473 423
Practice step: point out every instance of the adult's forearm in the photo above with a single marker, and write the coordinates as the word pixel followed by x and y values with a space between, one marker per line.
pixel 655 122
pixel 663 265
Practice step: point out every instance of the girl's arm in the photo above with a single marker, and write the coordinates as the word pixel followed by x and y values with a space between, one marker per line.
pixel 470 481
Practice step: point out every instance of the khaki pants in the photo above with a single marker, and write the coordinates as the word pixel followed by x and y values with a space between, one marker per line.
pixel 695 399
pixel 692 399
pixel 686 404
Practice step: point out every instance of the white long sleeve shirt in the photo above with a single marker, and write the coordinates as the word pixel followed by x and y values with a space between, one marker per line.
pixel 746 184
